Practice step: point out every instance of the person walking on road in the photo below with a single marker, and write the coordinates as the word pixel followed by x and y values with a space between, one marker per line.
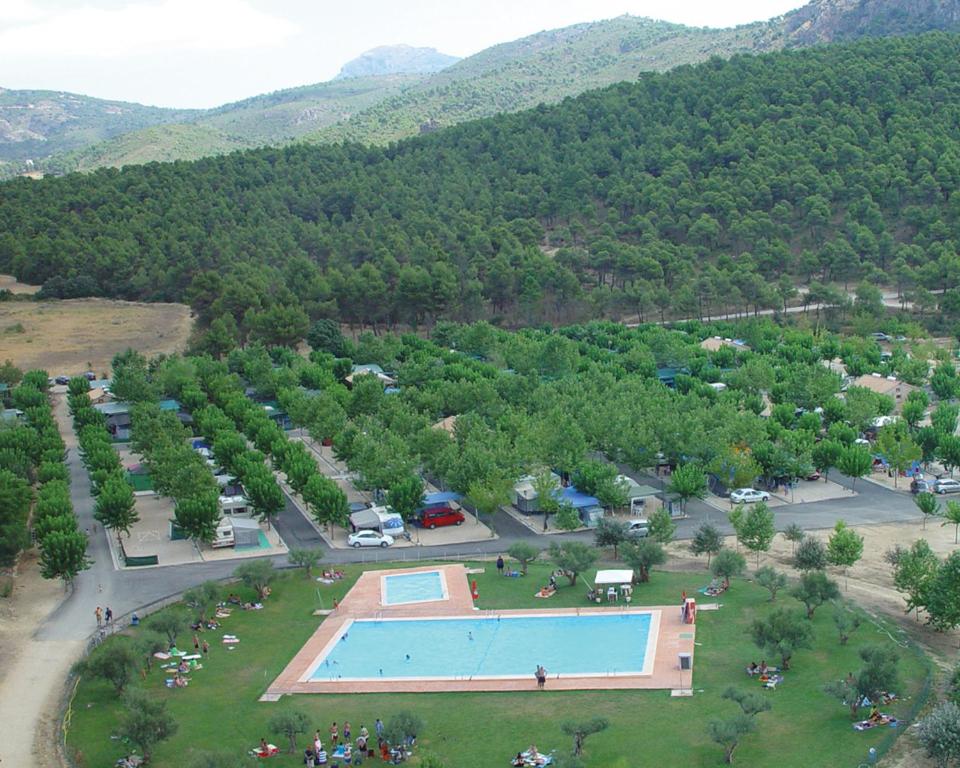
pixel 99 614
pixel 108 615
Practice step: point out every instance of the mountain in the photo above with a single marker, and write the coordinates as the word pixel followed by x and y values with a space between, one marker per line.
pixel 37 124
pixel 273 118
pixel 396 60
pixel 62 132
pixel 707 188
pixel 826 21
pixel 550 66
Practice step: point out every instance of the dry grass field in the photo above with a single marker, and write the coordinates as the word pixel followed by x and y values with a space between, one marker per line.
pixel 75 335
pixel 10 283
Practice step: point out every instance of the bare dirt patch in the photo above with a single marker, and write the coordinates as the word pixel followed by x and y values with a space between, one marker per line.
pixel 10 283
pixel 76 335
pixel 31 671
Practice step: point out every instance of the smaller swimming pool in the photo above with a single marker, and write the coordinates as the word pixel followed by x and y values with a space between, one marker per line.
pixel 404 588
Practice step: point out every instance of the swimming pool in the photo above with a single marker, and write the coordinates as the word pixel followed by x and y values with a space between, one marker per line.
pixel 421 587
pixel 570 645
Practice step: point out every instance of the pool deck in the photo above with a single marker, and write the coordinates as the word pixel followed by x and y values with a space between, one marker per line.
pixel 363 601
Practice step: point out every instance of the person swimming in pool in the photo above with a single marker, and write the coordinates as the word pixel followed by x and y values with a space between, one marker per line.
pixel 470 635
pixel 408 657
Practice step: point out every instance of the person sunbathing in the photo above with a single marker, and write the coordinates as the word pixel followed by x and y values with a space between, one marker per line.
pixel 763 669
pixel 518 761
pixel 875 715
pixel 752 669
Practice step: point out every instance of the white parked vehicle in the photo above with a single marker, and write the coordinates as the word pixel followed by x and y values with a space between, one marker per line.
pixel 638 528
pixel 748 496
pixel 369 538
pixel 946 485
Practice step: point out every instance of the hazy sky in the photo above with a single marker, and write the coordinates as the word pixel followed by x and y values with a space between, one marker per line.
pixel 201 53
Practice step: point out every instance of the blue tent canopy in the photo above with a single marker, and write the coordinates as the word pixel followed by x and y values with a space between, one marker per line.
pixel 440 498
pixel 575 499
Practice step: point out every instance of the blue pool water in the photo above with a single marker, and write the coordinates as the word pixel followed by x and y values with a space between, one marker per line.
pixel 413 588
pixel 489 647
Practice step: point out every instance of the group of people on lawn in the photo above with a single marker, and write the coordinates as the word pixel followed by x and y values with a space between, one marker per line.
pixel 352 752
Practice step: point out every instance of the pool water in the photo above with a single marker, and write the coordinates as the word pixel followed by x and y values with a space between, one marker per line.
pixel 422 587
pixel 585 645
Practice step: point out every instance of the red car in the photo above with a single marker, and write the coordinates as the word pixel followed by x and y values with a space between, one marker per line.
pixel 437 516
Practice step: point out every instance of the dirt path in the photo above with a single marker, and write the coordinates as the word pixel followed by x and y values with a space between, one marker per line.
pixel 32 671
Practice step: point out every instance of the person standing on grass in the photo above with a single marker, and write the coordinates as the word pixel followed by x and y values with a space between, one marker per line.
pixel 499 565
pixel 334 734
pixel 206 647
pixel 378 727
pixel 196 643
pixel 346 731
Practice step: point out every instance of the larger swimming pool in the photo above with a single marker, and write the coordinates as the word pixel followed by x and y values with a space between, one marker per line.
pixel 572 645
pixel 420 587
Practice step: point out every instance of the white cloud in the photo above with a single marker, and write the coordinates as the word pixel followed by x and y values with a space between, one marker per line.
pixel 14 11
pixel 167 25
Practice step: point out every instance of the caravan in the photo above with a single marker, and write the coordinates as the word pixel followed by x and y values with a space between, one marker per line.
pixel 224 534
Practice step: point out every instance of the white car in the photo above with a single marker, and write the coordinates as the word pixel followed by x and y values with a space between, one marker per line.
pixel 748 495
pixel 638 528
pixel 946 485
pixel 369 539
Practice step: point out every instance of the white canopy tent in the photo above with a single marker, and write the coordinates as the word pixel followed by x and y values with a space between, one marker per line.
pixel 613 577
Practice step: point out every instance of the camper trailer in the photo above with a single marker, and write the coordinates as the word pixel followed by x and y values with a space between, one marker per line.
pixel 234 506
pixel 224 534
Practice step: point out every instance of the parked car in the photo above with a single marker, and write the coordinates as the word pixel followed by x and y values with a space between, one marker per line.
pixel 356 506
pixel 815 475
pixel 946 485
pixel 879 336
pixel 921 486
pixel 748 496
pixel 369 538
pixel 433 517
pixel 638 529
pixel 62 379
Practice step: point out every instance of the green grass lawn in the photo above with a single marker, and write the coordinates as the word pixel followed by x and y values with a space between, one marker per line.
pixel 220 711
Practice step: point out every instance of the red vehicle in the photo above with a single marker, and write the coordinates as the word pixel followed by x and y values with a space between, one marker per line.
pixel 438 516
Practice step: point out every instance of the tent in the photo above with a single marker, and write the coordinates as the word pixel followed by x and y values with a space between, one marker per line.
pixel 615 577
pixel 576 499
pixel 440 498
pixel 364 519
pixel 246 532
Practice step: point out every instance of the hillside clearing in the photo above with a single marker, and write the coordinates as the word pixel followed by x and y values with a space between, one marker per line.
pixel 76 335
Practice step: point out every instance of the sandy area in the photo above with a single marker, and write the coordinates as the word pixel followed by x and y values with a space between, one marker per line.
pixel 10 283
pixel 76 335
pixel 32 672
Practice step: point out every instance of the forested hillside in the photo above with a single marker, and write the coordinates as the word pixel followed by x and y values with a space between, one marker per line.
pixel 542 68
pixel 716 185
